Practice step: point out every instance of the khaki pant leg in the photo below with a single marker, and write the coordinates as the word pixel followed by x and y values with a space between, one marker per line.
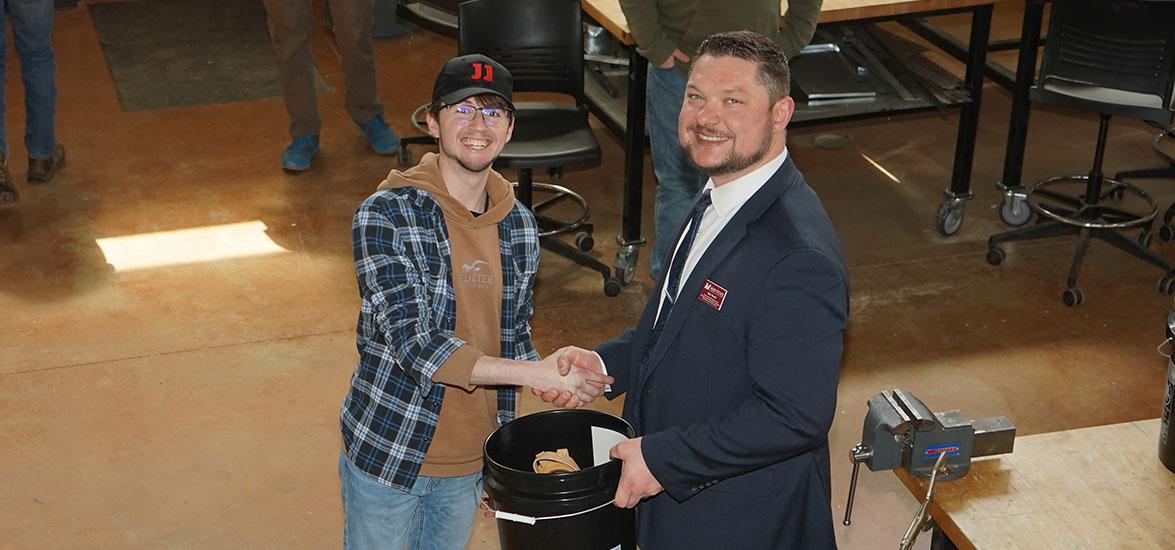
pixel 353 35
pixel 290 27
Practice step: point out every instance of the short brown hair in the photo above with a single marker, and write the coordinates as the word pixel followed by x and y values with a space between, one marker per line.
pixel 752 46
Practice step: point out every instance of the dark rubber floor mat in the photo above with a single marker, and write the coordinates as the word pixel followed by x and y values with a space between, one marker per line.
pixel 171 53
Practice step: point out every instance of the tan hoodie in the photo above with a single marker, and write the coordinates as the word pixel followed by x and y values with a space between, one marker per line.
pixel 468 413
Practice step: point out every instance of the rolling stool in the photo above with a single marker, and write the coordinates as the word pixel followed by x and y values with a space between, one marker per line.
pixel 1166 230
pixel 1113 58
pixel 1096 213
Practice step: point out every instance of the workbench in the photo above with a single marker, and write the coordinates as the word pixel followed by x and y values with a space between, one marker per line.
pixel 1100 487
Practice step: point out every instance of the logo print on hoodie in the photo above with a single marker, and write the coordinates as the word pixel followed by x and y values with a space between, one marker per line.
pixel 472 274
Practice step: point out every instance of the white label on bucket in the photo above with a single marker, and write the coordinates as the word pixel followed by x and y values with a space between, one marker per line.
pixel 603 440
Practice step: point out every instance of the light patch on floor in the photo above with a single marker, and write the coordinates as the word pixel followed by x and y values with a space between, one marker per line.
pixel 864 300
pixel 881 169
pixel 189 246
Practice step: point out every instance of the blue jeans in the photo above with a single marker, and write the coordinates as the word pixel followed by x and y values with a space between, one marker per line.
pixel 678 181
pixel 32 29
pixel 437 514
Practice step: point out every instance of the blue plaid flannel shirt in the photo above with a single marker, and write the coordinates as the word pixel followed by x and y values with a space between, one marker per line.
pixel 406 322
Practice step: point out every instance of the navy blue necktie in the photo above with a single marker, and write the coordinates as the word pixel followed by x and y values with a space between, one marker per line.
pixel 676 267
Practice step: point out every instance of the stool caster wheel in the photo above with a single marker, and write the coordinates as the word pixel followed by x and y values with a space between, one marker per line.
pixel 1167 233
pixel 1117 192
pixel 584 241
pixel 1072 297
pixel 1015 212
pixel 1145 237
pixel 995 256
pixel 612 286
pixel 1166 285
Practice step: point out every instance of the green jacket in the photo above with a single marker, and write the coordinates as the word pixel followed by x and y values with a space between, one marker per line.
pixel 660 26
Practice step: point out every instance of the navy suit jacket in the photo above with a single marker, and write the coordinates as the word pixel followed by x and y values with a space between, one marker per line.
pixel 735 403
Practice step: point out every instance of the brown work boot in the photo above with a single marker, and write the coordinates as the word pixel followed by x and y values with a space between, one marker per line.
pixel 7 190
pixel 43 170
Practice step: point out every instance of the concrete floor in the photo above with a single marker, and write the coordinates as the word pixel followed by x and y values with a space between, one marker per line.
pixel 195 405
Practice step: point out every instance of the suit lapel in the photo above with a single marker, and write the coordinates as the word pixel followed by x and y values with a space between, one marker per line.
pixel 715 254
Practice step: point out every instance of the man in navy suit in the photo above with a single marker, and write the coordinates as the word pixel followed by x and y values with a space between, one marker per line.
pixel 731 374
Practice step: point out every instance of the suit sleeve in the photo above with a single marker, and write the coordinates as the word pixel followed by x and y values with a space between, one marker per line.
pixel 617 356
pixel 794 344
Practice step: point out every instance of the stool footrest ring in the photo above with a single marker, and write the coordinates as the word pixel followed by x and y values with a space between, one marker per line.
pixel 1077 210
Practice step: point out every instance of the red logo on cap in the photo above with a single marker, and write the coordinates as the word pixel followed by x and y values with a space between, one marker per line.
pixel 481 71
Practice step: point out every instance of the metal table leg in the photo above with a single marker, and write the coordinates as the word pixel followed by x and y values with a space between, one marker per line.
pixel 950 214
pixel 634 165
pixel 1014 209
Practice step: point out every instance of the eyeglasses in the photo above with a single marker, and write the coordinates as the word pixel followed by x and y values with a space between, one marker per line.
pixel 492 116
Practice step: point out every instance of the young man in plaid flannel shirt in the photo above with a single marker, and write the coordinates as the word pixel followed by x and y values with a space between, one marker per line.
pixel 446 259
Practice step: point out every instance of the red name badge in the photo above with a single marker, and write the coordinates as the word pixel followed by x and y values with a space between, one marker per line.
pixel 712 294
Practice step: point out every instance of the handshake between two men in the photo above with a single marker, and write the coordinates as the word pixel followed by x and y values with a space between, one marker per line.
pixel 581 378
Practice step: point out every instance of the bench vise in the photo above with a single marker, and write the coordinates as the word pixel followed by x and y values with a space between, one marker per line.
pixel 900 431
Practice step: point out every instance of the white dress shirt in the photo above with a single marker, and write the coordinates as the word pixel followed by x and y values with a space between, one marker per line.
pixel 726 200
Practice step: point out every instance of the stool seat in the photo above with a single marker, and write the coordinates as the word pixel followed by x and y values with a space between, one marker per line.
pixel 549 134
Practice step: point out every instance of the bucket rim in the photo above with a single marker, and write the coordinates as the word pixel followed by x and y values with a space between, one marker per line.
pixel 491 462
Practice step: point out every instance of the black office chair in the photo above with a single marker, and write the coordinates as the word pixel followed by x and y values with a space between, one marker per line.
pixel 1114 58
pixel 1166 229
pixel 541 43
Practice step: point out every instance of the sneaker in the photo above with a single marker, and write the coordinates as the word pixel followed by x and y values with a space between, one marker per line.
pixel 7 190
pixel 300 152
pixel 382 139
pixel 43 170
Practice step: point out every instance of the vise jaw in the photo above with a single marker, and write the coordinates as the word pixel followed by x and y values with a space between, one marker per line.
pixel 901 431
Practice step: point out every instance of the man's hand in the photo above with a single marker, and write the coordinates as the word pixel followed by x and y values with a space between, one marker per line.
pixel 572 357
pixel 636 481
pixel 677 55
pixel 563 400
pixel 568 358
pixel 575 377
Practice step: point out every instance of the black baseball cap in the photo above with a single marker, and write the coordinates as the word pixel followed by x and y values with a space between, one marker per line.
pixel 470 75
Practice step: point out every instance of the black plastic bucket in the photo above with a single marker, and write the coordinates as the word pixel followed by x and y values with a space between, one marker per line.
pixel 565 510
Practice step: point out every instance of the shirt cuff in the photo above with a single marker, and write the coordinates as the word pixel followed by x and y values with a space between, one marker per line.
pixel 603 367
pixel 458 368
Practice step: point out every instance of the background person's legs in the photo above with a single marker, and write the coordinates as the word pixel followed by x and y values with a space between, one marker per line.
pixel 678 181
pixel 353 35
pixel 32 30
pixel 290 25
pixel 8 191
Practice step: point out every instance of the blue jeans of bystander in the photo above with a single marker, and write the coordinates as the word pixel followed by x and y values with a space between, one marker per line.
pixel 678 181
pixel 32 29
